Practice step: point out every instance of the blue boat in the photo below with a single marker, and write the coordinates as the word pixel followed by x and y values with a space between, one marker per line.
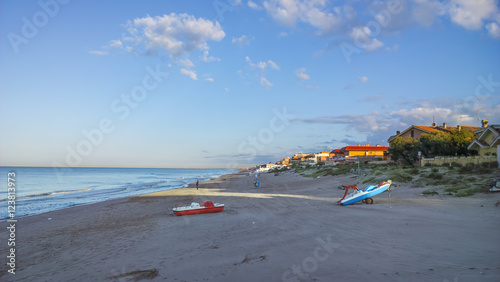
pixel 364 196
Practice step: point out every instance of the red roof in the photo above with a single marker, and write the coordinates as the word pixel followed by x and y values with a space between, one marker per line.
pixel 441 128
pixel 427 128
pixel 365 148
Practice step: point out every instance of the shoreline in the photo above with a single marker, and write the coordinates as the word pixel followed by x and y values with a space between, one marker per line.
pixel 102 202
pixel 289 229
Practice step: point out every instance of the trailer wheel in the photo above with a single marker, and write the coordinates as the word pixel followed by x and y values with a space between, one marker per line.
pixel 364 201
pixel 369 201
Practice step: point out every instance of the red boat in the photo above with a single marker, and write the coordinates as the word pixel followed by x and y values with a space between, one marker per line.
pixel 195 208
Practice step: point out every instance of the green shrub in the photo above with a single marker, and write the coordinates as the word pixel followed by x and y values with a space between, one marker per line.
pixel 414 171
pixel 430 192
pixel 454 188
pixel 401 176
pixel 465 192
pixel 436 176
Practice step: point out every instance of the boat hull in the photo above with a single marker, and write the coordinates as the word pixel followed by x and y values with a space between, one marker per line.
pixel 362 195
pixel 199 211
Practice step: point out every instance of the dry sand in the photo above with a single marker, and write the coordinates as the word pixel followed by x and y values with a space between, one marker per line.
pixel 290 229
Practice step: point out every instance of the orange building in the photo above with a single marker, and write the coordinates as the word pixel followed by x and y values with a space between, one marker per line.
pixel 361 150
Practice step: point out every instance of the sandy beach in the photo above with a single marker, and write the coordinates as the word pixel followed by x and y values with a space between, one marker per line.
pixel 289 229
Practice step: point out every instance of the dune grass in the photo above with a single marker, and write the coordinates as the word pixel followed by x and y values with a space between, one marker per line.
pixel 453 180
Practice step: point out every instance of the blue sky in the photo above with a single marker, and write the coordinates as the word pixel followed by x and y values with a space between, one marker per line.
pixel 236 83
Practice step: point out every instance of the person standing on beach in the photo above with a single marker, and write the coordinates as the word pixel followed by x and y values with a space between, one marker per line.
pixel 197 183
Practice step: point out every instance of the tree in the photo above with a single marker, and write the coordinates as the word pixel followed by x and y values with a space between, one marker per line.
pixel 461 140
pixel 404 150
pixel 436 144
pixel 433 144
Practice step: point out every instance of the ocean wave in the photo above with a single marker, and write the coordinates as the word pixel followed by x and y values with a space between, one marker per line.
pixel 112 191
pixel 50 194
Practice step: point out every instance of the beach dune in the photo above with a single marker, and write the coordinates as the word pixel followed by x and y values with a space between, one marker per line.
pixel 289 229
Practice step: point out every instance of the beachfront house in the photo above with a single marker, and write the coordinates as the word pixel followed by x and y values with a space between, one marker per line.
pixel 350 153
pixel 310 158
pixel 284 161
pixel 322 156
pixel 488 141
pixel 364 151
pixel 335 154
pixel 416 131
pixel 298 158
pixel 266 167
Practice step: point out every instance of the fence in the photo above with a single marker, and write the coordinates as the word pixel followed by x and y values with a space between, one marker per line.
pixel 457 160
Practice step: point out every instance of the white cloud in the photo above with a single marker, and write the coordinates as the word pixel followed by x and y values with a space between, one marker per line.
pixel 178 34
pixel 366 123
pixel 315 13
pixel 254 5
pixel 131 50
pixel 361 36
pixel 226 89
pixel 425 11
pixel 265 83
pixel 243 40
pixel 207 59
pixel 493 30
pixel 373 45
pixel 394 47
pixel 282 34
pixel 350 12
pixel 273 65
pixel 262 65
pixel 363 79
pixel 471 14
pixel 379 126
pixel 261 68
pixel 301 74
pixel 190 73
pixel 425 115
pixel 115 44
pixel 209 79
pixel 99 53
pixel 186 63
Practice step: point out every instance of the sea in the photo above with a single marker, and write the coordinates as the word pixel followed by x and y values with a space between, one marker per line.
pixel 43 189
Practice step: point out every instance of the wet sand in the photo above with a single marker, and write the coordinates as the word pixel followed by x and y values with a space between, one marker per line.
pixel 289 229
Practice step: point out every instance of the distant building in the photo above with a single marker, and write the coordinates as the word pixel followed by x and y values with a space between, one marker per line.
pixel 265 167
pixel 362 151
pixel 335 153
pixel 298 158
pixel 416 131
pixel 284 161
pixel 311 158
pixel 322 156
pixel 488 141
